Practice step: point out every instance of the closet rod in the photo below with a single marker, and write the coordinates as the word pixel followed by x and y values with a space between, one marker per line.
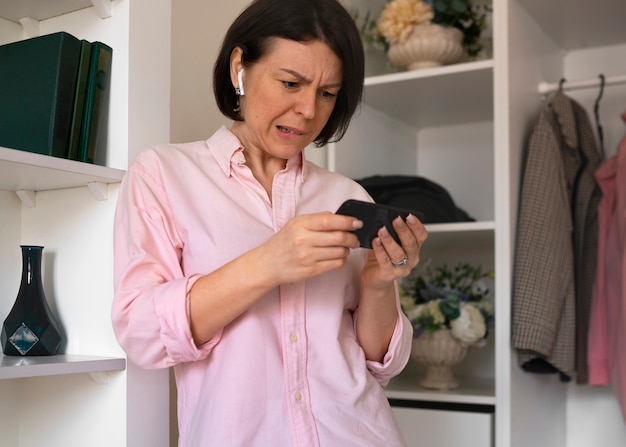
pixel 545 87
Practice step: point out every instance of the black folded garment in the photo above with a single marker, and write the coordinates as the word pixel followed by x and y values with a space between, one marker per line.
pixel 417 194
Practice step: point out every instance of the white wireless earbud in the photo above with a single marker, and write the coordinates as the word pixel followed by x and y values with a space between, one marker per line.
pixel 240 81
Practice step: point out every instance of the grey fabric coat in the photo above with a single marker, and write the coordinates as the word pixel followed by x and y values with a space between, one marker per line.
pixel 555 253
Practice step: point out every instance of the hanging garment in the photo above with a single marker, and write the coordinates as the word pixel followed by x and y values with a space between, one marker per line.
pixel 555 253
pixel 607 327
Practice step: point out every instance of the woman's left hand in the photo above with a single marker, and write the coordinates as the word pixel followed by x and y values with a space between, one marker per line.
pixel 389 260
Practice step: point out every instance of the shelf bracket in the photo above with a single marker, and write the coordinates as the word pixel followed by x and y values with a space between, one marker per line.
pixel 28 198
pixel 103 8
pixel 99 190
pixel 30 27
pixel 100 377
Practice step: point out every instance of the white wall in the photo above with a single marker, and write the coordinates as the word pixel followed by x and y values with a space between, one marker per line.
pixel 198 27
pixel 9 31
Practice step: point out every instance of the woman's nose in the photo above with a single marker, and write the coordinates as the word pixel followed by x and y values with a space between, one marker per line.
pixel 306 103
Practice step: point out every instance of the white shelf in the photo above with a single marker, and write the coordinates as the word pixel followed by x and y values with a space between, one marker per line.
pixel 442 96
pixel 14 10
pixel 38 366
pixel 574 24
pixel 460 234
pixel 21 170
pixel 461 227
pixel 471 390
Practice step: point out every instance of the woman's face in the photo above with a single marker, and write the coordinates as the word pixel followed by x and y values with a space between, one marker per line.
pixel 289 96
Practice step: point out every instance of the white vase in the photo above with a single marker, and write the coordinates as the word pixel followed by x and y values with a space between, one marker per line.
pixel 439 351
pixel 429 45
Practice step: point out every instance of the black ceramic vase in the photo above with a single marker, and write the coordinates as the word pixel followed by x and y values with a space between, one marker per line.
pixel 30 328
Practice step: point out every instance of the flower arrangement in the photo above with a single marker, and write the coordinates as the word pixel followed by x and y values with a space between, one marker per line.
pixel 456 299
pixel 399 18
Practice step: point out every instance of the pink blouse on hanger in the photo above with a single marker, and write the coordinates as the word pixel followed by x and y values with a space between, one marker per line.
pixel 606 353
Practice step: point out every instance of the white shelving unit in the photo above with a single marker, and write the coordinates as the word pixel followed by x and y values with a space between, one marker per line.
pixel 67 206
pixel 437 123
pixel 27 173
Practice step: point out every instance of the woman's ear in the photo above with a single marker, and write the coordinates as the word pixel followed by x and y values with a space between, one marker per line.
pixel 236 64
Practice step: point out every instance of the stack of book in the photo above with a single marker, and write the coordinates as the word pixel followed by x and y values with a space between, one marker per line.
pixel 54 95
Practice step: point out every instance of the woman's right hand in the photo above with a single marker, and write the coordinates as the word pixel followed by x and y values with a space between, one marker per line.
pixel 309 245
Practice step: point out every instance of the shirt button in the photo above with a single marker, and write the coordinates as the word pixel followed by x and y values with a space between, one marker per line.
pixel 293 338
pixel 298 396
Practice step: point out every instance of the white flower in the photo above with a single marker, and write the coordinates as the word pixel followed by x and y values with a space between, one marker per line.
pixel 470 326
pixel 432 309
pixel 480 287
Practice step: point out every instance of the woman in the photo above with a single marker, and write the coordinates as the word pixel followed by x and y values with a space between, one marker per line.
pixel 231 266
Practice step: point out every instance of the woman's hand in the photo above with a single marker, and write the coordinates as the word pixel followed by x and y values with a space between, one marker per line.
pixel 309 245
pixel 386 262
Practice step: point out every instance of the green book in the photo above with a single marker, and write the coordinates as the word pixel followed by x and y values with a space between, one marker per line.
pixel 79 98
pixel 96 102
pixel 37 88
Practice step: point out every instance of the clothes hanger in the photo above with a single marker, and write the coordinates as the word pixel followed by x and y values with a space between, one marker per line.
pixel 596 111
pixel 561 82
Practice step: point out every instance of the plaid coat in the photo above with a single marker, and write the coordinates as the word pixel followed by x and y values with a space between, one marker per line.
pixel 555 252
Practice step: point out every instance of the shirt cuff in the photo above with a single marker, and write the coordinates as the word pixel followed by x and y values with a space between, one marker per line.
pixel 397 355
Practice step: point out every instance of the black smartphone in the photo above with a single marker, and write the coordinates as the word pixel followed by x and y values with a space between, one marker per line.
pixel 374 216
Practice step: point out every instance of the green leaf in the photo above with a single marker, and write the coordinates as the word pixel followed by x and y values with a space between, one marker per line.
pixel 450 310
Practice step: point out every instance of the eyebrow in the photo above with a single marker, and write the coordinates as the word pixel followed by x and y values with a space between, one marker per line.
pixel 303 78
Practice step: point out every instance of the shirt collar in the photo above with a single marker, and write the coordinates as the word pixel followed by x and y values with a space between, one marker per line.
pixel 227 150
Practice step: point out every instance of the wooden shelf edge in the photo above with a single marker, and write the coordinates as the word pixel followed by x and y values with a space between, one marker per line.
pixel 24 367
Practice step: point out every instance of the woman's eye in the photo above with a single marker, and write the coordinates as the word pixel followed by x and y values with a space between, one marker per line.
pixel 290 84
pixel 328 95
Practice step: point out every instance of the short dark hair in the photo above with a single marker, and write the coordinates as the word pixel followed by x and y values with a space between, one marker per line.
pixel 302 21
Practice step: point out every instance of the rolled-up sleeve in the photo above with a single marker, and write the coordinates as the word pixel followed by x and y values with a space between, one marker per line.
pixel 150 311
pixel 398 353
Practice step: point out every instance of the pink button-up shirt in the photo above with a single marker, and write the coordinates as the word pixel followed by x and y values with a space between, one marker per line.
pixel 290 370
pixel 606 353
